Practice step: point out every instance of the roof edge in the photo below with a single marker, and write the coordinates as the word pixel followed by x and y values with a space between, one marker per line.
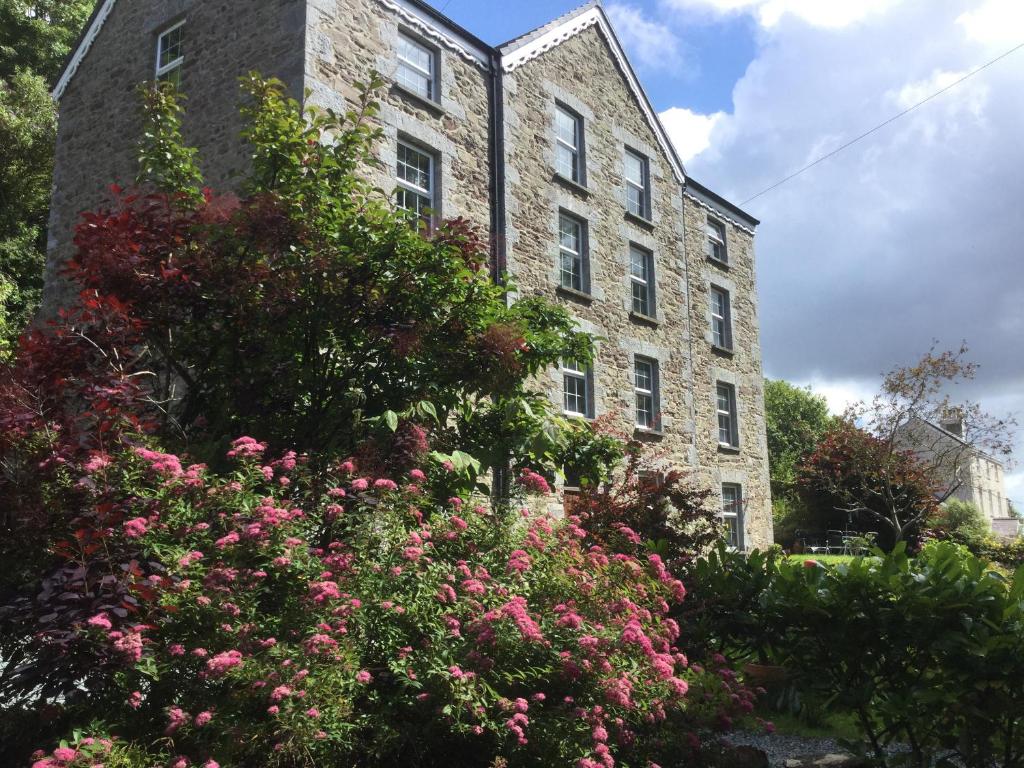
pixel 438 17
pixel 82 46
pixel 714 196
pixel 524 49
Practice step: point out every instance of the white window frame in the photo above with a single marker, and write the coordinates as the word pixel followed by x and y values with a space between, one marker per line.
pixel 571 370
pixel 163 70
pixel 649 391
pixel 429 193
pixel 404 64
pixel 715 244
pixel 576 171
pixel 733 518
pixel 643 283
pixel 580 255
pixel 721 321
pixel 642 185
pixel 727 418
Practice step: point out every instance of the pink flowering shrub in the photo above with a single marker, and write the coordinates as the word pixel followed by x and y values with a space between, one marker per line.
pixel 390 630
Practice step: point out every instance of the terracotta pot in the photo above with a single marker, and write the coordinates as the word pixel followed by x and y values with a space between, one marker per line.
pixel 765 673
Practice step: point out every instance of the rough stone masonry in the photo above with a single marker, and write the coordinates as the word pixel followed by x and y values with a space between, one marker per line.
pixel 486 127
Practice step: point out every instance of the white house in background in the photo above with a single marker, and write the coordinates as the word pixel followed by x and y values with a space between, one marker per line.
pixel 974 476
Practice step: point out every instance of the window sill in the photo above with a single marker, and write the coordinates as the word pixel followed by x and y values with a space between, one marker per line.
pixel 641 221
pixel 731 450
pixel 643 319
pixel 648 433
pixel 580 416
pixel 424 103
pixel 718 262
pixel 723 351
pixel 572 293
pixel 574 186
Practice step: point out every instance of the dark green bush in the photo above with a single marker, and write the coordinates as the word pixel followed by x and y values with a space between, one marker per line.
pixel 927 652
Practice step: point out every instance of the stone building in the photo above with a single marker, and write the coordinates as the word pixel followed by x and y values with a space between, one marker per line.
pixel 548 142
pixel 972 475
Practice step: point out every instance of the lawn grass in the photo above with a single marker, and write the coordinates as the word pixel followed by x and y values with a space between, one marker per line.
pixel 833 726
pixel 823 559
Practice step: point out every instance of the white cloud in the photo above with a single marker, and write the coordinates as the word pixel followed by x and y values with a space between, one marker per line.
pixel 996 22
pixel 654 46
pixel 819 13
pixel 690 131
pixel 841 394
pixel 914 233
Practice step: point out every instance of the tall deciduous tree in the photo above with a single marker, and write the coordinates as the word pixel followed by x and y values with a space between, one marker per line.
pixel 796 419
pixel 306 310
pixel 902 463
pixel 35 39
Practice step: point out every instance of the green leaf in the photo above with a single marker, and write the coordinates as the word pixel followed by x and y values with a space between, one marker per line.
pixel 427 407
pixel 392 420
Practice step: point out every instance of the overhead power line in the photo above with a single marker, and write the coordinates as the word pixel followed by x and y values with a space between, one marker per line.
pixel 880 126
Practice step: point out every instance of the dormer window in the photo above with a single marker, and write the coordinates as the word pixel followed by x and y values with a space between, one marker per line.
pixel 170 54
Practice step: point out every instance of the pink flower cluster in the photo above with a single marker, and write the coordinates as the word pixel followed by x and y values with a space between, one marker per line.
pixel 166 464
pixel 222 663
pixel 246 448
pixel 531 482
pixel 135 528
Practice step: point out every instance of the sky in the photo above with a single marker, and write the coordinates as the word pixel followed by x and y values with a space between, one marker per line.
pixel 912 236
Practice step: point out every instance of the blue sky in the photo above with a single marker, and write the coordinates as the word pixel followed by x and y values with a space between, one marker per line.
pixel 911 236
pixel 713 58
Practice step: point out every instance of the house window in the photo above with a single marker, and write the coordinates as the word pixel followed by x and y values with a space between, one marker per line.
pixel 638 185
pixel 170 54
pixel 577 386
pixel 732 514
pixel 721 320
pixel 415 170
pixel 417 68
pixel 572 246
pixel 569 144
pixel 645 386
pixel 641 277
pixel 728 433
pixel 714 244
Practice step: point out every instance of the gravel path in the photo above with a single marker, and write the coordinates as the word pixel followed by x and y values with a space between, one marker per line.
pixel 780 746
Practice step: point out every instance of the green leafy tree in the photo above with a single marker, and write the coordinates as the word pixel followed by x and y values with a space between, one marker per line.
pixel 27 130
pixel 796 419
pixel 307 311
pixel 37 35
pixel 35 39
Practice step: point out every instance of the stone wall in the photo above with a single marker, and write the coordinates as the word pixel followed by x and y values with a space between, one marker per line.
pixel 582 74
pixel 324 46
pixel 100 128
pixel 747 465
pixel 349 39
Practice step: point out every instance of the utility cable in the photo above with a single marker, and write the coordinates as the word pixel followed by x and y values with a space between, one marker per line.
pixel 880 126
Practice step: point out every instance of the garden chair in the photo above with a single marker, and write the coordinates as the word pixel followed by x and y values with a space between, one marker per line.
pixel 837 543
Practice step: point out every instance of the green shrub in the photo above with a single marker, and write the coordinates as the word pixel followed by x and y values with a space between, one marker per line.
pixel 927 652
pixel 961 522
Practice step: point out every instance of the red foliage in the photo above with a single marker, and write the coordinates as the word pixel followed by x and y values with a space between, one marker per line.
pixel 860 475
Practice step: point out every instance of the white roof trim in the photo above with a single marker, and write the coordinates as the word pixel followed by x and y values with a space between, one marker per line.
pixel 570 28
pixel 407 14
pixel 719 213
pixel 83 48
pixel 411 18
